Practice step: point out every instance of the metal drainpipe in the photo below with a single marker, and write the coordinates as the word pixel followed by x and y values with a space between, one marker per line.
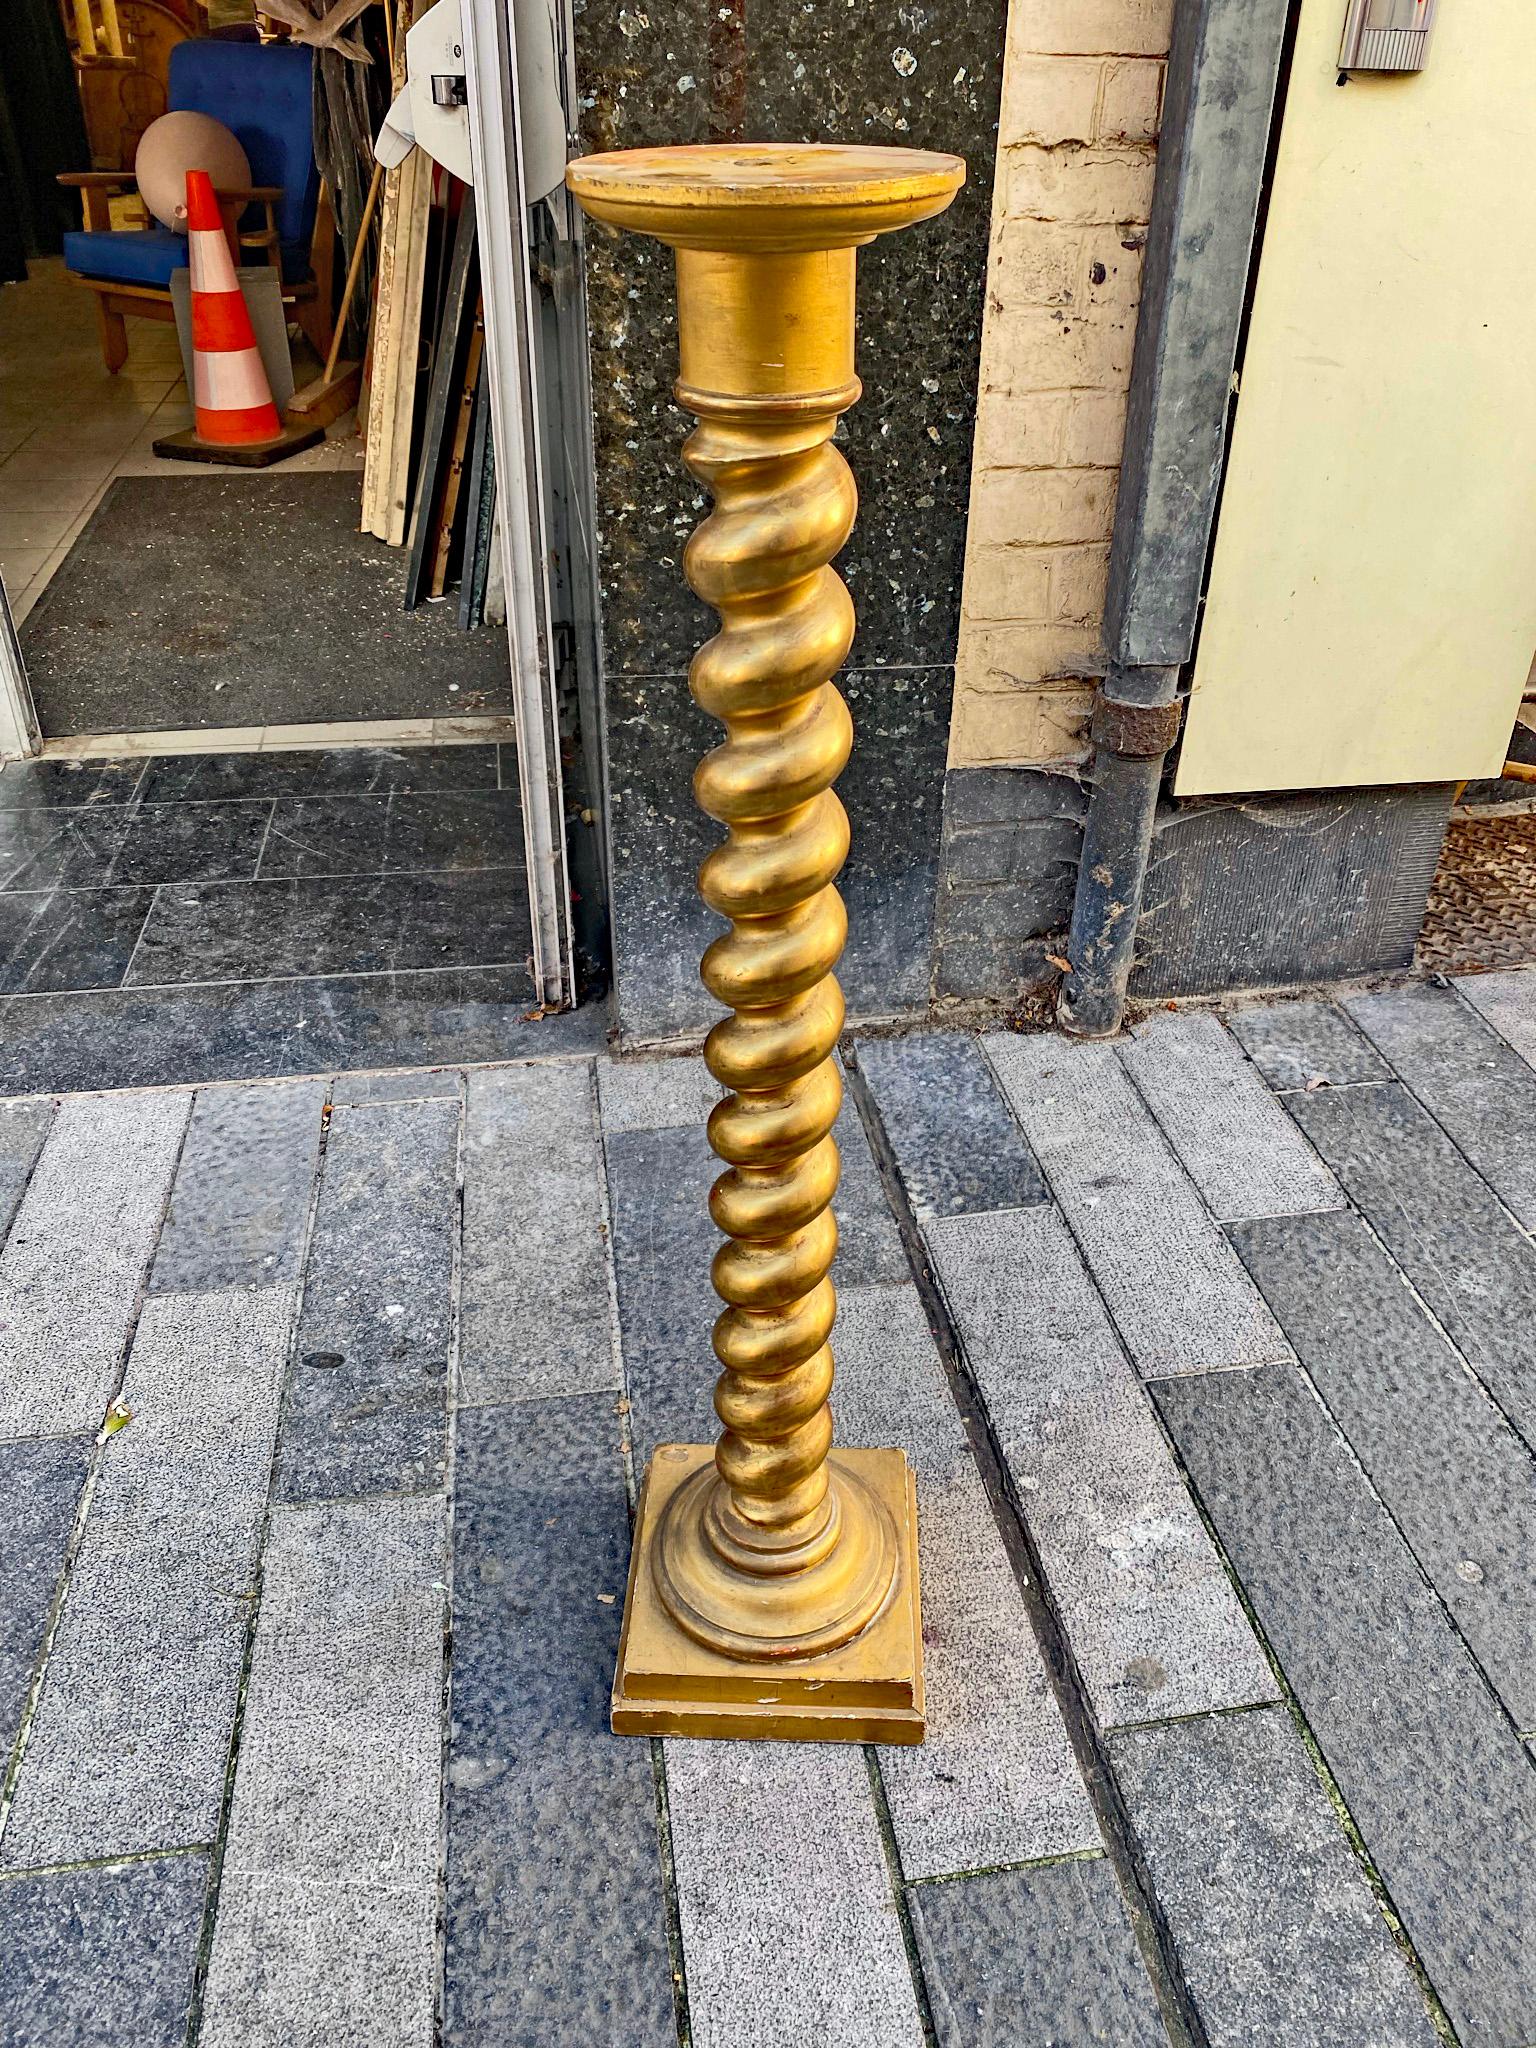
pixel 1135 721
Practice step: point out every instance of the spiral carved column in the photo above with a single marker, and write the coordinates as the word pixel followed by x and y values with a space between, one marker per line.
pixel 773 1589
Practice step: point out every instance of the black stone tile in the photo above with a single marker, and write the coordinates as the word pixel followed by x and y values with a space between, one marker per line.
pixel 663 1242
pixel 57 939
pixel 1427 1762
pixel 23 1127
pixel 248 931
pixel 1457 1480
pixel 892 790
pixel 366 1405
pixel 1471 1081
pixel 67 785
pixel 956 1141
pixel 189 842
pixel 330 771
pixel 370 835
pixel 240 1200
pixel 101 1958
pixel 1041 1958
pixel 193 602
pixel 1443 1225
pixel 1294 1043
pixel 247 1031
pixel 1276 1932
pixel 42 848
pixel 40 1486
pixel 791 71
pixel 555 1924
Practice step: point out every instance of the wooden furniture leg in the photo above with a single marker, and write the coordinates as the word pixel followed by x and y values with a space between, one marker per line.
pixel 114 335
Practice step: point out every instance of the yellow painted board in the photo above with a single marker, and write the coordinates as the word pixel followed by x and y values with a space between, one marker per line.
pixel 1372 606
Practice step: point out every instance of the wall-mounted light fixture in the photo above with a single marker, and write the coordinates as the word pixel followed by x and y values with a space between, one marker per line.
pixel 1386 35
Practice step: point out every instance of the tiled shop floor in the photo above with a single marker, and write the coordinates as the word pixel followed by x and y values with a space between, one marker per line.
pixel 1210 1351
pixel 68 426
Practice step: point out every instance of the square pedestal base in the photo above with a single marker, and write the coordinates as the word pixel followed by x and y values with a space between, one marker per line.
pixel 188 446
pixel 870 1690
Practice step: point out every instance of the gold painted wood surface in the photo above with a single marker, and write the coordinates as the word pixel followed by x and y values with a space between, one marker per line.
pixel 772 1592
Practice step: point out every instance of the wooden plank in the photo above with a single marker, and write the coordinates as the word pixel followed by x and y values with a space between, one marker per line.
pixel 453 484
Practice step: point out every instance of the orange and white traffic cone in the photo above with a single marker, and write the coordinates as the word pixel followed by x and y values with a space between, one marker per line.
pixel 236 419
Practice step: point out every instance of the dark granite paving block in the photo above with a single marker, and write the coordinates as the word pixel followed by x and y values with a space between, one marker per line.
pixel 1474 1084
pixel 58 939
pixel 23 1127
pixel 1294 1043
pixel 663 1242
pixel 39 849
pixel 366 1408
pixel 1041 1958
pixel 555 1924
pixel 397 834
pixel 1442 1224
pixel 248 1031
pixel 40 1485
pixel 1456 1478
pixel 1277 1934
pixel 149 623
pixel 956 1141
pixel 67 785
pixel 414 1084
pixel 1428 1764
pixel 101 1958
pixel 189 842
pixel 240 1202
pixel 330 771
pixel 252 931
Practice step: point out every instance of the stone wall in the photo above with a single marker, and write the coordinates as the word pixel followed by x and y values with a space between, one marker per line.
pixel 1082 84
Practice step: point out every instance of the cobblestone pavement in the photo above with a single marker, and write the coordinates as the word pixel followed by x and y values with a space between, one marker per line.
pixel 1212 1350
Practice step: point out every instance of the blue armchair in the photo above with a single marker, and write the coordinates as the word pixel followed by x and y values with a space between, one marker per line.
pixel 263 93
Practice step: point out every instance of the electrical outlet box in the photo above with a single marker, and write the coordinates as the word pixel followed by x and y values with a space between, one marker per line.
pixel 1386 35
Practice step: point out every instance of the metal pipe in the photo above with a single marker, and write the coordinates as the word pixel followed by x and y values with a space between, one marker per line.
pixel 1135 722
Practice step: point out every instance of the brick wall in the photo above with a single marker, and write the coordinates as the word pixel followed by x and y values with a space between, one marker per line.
pixel 1076 146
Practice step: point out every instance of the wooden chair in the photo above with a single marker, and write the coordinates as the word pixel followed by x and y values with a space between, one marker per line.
pixel 263 93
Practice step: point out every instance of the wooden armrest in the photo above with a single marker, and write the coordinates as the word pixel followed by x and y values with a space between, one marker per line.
pixel 95 181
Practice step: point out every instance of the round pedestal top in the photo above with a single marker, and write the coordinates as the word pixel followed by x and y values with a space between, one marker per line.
pixel 765 195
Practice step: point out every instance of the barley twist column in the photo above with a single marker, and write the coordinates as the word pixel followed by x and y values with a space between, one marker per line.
pixel 774 1584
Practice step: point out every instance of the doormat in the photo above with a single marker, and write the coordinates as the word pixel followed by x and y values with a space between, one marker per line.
pixel 245 600
pixel 1482 903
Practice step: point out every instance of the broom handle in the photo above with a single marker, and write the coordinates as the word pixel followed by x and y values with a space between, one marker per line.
pixel 352 270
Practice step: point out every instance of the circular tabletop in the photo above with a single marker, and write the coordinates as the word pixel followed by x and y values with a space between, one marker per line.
pixel 765 195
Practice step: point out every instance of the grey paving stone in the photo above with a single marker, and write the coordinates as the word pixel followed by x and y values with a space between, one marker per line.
pixel 535 1282
pixel 655 1095
pixel 1294 1043
pixel 327 1921
pixel 1508 1002
pixel 1150 1615
pixel 807 1948
pixel 75 1260
pixel 40 1486
pixel 555 1917
pixel 1277 1933
pixel 1238 1145
pixel 129 1743
pixel 101 1958
pixel 1429 1766
pixel 23 1127
pixel 663 1242
pixel 995 1781
pixel 1041 1958
pixel 1474 1085
pixel 366 1410
pixel 1458 1481
pixel 1442 1224
pixel 1175 1287
pixel 957 1143
pixel 240 1201
pixel 413 1084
